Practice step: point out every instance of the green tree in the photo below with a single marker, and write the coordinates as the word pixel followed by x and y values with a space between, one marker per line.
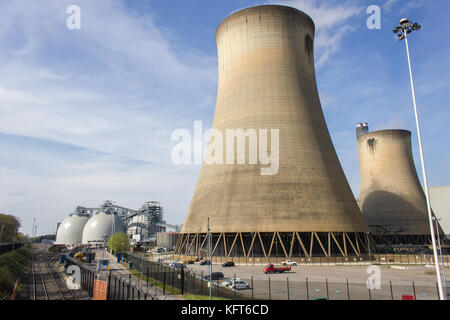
pixel 119 242
pixel 9 226
pixel 21 237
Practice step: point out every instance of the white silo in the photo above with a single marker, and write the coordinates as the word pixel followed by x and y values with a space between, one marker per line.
pixel 70 230
pixel 101 226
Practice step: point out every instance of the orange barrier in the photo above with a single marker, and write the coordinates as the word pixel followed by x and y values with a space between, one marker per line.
pixel 100 290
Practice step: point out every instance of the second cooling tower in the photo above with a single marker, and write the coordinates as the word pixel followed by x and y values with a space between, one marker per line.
pixel 303 208
pixel 392 199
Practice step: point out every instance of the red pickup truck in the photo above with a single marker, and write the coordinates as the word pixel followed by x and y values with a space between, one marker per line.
pixel 270 268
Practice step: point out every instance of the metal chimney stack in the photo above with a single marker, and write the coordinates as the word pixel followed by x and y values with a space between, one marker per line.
pixel 361 128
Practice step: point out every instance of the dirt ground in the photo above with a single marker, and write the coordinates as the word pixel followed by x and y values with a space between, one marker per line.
pixel 333 282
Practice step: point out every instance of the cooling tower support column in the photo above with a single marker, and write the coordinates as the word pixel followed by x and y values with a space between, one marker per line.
pixel 276 244
pixel 267 90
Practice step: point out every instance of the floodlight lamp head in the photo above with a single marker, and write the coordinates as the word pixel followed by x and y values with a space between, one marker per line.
pixel 416 26
pixel 404 21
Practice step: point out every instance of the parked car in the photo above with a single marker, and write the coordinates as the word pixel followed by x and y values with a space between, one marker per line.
pixel 214 276
pixel 204 262
pixel 238 285
pixel 228 264
pixel 289 263
pixel 176 265
pixel 270 268
pixel 227 282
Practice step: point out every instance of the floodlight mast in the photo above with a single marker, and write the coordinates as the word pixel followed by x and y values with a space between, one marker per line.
pixel 402 30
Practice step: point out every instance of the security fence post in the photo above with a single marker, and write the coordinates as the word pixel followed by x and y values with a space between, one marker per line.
pixel 182 280
pixel 307 289
pixel 392 292
pixel 147 277
pixel 348 291
pixel 287 279
pixel 252 287
pixel 164 283
pixel 270 293
pixel 128 286
pixel 109 285
pixel 115 288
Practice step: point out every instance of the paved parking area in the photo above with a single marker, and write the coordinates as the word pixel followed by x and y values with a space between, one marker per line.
pixel 333 282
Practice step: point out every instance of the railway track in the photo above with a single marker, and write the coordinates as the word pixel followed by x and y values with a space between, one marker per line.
pixel 47 283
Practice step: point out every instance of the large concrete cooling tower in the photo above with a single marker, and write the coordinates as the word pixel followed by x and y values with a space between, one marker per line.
pixel 304 206
pixel 392 199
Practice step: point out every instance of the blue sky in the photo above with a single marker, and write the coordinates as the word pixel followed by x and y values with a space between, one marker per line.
pixel 86 115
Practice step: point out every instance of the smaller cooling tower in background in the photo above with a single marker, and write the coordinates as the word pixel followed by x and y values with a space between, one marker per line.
pixel 391 198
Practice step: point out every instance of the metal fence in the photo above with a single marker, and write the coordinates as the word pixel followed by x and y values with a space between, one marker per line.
pixel 9 246
pixel 410 259
pixel 157 281
pixel 120 286
pixel 281 287
pixel 150 281
pixel 179 281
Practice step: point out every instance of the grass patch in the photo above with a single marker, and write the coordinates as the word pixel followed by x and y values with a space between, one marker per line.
pixel 154 282
pixel 14 266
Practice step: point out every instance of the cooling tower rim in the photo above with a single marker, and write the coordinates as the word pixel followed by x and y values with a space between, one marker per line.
pixel 381 132
pixel 242 11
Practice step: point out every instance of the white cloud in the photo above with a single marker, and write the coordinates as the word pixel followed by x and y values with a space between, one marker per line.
pixel 387 6
pixel 332 20
pixel 116 88
pixel 412 5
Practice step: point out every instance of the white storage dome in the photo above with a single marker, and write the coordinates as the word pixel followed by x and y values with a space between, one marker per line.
pixel 101 225
pixel 70 231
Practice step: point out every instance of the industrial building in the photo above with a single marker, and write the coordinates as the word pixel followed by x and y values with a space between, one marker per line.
pixel 147 223
pixel 167 239
pixel 267 81
pixel 94 226
pixel 391 198
pixel 440 201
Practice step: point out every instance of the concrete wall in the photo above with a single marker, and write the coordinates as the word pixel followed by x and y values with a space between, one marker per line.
pixel 267 81
pixel 167 239
pixel 391 194
pixel 440 202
